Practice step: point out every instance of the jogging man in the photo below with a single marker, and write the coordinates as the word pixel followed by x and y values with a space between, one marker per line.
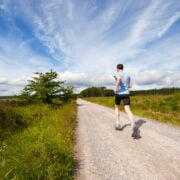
pixel 121 90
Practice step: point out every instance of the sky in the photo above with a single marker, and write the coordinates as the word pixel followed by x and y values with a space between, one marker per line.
pixel 84 40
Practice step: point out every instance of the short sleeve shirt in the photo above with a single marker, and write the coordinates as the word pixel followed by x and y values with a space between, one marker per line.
pixel 124 84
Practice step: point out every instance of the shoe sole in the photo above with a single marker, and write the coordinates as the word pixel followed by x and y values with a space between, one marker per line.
pixel 118 128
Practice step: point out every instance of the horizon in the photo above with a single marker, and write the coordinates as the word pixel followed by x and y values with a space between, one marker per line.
pixel 84 41
pixel 139 90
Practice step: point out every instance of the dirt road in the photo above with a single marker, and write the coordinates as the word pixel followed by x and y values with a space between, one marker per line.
pixel 103 153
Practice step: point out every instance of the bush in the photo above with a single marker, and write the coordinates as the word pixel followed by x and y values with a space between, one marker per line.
pixel 10 122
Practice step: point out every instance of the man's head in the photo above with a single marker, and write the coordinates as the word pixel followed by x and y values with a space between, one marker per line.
pixel 119 67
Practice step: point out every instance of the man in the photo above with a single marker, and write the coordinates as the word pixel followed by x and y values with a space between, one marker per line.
pixel 123 83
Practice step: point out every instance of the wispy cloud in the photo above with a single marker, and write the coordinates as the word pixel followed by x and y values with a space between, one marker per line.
pixel 84 40
pixel 171 21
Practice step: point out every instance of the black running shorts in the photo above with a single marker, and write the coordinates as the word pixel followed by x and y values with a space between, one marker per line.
pixel 124 97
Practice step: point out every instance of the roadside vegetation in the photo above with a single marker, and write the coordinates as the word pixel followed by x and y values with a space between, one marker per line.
pixel 37 131
pixel 164 108
pixel 102 91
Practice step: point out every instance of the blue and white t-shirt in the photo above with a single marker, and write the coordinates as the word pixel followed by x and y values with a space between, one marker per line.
pixel 124 84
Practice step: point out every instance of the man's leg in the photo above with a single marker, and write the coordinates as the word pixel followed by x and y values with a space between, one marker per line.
pixel 130 115
pixel 117 113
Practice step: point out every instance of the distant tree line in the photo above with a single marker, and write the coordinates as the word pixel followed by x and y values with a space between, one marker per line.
pixel 96 91
pixel 162 91
pixel 102 91
pixel 8 97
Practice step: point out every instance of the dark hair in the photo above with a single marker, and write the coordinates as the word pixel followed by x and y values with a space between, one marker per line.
pixel 120 66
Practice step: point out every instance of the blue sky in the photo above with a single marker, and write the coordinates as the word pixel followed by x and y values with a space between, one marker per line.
pixel 83 40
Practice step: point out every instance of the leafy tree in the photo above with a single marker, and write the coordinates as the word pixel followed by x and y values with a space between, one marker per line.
pixel 67 93
pixel 45 87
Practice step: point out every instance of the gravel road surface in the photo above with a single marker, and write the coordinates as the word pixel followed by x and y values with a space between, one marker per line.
pixel 103 153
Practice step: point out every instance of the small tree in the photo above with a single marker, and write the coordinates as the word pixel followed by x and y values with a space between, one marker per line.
pixel 44 88
pixel 67 93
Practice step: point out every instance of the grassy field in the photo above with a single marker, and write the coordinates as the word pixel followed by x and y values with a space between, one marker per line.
pixel 164 108
pixel 36 141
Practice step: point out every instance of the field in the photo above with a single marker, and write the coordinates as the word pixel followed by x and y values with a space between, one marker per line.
pixel 36 141
pixel 164 108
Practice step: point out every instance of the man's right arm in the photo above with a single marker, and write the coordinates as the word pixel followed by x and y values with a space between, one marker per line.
pixel 129 83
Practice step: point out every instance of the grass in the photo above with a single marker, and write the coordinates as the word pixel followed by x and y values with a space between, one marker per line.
pixel 164 108
pixel 37 142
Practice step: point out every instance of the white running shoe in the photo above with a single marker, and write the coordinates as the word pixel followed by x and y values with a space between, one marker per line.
pixel 117 127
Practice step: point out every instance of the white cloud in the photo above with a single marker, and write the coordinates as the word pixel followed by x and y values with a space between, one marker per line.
pixel 75 79
pixel 155 77
pixel 4 6
pixel 12 87
pixel 89 40
pixel 86 43
pixel 70 9
pixel 171 21
pixel 143 23
pixel 80 81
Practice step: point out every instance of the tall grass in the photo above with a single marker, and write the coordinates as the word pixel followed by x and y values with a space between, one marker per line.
pixel 42 148
pixel 164 108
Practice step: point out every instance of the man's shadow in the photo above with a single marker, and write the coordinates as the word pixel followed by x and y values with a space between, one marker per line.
pixel 80 104
pixel 136 129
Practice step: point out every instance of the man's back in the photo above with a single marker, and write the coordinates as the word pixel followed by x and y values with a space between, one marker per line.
pixel 124 84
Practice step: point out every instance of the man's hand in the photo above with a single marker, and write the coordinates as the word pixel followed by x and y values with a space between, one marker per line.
pixel 115 90
pixel 115 78
pixel 130 85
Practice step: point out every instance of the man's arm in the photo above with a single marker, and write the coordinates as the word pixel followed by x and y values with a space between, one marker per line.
pixel 115 78
pixel 118 81
pixel 129 84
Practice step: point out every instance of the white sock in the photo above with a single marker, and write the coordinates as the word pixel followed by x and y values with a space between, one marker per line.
pixel 132 124
pixel 117 123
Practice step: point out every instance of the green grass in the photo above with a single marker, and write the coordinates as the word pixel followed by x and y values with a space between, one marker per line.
pixel 37 142
pixel 164 108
